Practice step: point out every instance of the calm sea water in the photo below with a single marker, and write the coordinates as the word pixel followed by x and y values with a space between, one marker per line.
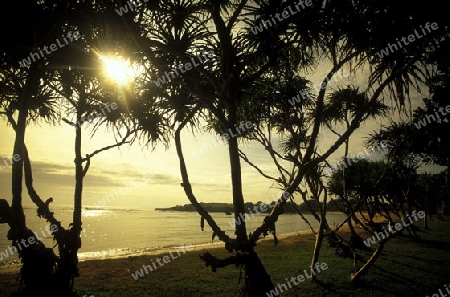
pixel 109 233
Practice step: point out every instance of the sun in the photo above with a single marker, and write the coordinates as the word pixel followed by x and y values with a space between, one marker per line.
pixel 118 69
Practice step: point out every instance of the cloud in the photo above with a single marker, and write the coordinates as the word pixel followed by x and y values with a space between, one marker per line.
pixel 165 179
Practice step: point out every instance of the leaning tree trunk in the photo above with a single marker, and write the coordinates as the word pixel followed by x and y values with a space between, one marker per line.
pixel 52 283
pixel 425 219
pixel 257 281
pixel 350 226
pixel 344 187
pixel 68 262
pixel 355 277
pixel 57 278
pixel 18 216
pixel 37 261
pixel 319 238
pixel 41 269
pixel 238 199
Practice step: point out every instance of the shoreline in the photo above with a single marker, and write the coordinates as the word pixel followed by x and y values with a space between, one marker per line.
pixel 15 267
pixel 187 275
pixel 12 268
pixel 83 257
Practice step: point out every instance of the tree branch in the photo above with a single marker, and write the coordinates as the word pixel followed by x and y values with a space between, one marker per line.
pixel 215 263
pixel 236 14
pixel 123 141
pixel 43 207
pixel 230 244
pixel 245 158
pixel 320 104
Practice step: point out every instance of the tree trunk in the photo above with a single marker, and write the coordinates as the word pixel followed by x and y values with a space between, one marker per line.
pixel 319 238
pixel 355 277
pixel 425 219
pixel 350 226
pixel 238 199
pixel 236 179
pixel 68 266
pixel 18 216
pixel 257 280
pixel 229 243
pixel 37 261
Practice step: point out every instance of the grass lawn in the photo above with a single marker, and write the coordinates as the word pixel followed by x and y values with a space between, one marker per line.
pixel 407 267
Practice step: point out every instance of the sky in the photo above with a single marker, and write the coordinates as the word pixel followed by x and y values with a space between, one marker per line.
pixel 139 177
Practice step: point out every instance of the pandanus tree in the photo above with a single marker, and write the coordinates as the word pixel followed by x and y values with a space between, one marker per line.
pixel 343 45
pixel 31 92
pixel 407 151
pixel 422 140
pixel 341 107
pixel 373 189
pixel 249 62
pixel 177 35
pixel 400 157
pixel 431 194
pixel 24 98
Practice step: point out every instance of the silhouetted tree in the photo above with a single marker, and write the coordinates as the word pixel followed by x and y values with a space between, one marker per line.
pixel 250 76
pixel 30 92
pixel 378 189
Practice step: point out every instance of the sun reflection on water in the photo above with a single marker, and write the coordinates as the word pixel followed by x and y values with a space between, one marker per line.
pixel 88 213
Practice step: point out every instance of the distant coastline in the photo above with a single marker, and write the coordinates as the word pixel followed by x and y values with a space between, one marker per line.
pixel 228 208
pixel 209 207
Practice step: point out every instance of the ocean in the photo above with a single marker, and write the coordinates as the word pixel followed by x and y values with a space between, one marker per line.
pixel 114 232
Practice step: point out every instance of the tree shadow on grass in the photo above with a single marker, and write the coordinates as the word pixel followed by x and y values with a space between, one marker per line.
pixel 330 288
pixel 399 278
pixel 421 268
pixel 418 259
pixel 382 291
pixel 434 244
pixel 362 285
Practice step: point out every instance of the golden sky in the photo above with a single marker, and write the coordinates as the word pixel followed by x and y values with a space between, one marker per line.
pixel 122 172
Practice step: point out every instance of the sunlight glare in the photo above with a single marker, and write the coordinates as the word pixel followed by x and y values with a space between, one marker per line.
pixel 118 69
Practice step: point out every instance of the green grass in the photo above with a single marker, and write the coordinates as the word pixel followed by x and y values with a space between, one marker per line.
pixel 407 267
